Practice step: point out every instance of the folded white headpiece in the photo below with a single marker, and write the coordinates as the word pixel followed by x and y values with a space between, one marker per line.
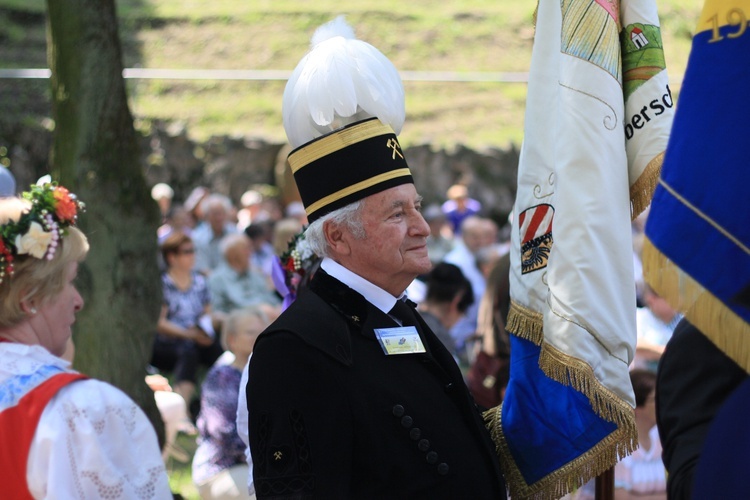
pixel 341 80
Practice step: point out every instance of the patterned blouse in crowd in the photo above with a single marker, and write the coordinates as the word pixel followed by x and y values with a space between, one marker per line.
pixel 220 447
pixel 184 307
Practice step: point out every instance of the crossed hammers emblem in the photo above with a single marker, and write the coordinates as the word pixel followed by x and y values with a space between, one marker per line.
pixel 395 146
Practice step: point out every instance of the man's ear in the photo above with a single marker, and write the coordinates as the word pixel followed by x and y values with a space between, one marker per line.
pixel 336 238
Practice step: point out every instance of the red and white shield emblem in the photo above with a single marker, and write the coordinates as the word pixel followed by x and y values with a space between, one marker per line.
pixel 535 226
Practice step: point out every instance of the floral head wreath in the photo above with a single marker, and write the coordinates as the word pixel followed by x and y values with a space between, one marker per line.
pixel 293 268
pixel 39 229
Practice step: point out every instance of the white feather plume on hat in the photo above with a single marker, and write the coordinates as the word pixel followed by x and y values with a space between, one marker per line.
pixel 341 80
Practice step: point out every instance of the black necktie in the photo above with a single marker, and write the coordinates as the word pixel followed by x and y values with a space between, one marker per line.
pixel 404 312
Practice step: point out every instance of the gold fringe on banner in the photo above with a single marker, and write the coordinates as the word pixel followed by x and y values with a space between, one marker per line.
pixel 574 474
pixel 578 374
pixel 728 331
pixel 528 324
pixel 642 190
pixel 525 323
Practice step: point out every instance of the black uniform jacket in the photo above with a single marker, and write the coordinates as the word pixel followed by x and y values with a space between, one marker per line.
pixel 693 381
pixel 332 417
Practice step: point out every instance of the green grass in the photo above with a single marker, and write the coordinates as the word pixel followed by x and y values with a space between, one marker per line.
pixel 469 36
pixel 180 474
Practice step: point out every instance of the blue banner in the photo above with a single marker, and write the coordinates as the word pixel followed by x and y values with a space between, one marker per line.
pixel 697 253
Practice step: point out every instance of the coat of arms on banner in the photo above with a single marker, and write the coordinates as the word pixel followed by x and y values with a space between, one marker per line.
pixel 535 226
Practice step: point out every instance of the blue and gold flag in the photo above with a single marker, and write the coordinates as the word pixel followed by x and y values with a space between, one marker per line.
pixel 697 248
pixel 598 114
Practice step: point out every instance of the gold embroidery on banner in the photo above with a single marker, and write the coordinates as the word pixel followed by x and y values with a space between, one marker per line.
pixel 609 122
pixel 587 328
pixel 735 17
pixel 705 217
pixel 538 188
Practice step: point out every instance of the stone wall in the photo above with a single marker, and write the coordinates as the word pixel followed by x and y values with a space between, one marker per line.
pixel 230 165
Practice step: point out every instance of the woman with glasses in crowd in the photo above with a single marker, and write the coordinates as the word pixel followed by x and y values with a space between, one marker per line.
pixel 185 331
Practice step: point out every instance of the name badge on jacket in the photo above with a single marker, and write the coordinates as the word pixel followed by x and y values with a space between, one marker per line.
pixel 401 340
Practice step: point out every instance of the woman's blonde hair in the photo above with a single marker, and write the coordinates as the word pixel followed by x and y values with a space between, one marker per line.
pixel 235 319
pixel 36 279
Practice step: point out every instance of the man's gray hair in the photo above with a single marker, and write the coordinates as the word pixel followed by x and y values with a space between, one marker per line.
pixel 232 240
pixel 349 216
pixel 216 200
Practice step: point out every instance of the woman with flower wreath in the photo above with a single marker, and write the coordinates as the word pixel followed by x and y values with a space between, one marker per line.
pixel 62 435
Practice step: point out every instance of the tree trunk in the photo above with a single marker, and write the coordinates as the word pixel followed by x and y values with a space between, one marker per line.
pixel 95 154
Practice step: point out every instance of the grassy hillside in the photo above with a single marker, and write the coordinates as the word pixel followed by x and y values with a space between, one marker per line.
pixel 467 36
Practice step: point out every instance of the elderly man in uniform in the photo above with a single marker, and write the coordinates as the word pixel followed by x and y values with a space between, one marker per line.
pixel 350 394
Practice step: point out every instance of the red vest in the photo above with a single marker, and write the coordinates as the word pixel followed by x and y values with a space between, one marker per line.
pixel 17 428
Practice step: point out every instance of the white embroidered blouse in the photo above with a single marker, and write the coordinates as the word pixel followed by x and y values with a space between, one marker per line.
pixel 92 440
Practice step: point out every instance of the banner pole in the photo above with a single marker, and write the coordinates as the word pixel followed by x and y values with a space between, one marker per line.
pixel 605 485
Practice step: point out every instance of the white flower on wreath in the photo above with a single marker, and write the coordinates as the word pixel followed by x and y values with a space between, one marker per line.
pixel 35 242
pixel 304 250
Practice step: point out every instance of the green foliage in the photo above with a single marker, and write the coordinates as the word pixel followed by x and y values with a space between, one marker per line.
pixel 484 36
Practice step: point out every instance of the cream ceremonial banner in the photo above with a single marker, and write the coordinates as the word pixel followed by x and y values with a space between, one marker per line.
pixel 649 106
pixel 568 411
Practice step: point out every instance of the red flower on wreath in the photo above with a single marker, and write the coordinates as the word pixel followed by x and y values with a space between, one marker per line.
pixel 65 208
pixel 289 265
pixel 6 260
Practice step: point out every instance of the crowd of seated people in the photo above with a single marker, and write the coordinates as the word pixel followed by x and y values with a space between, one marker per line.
pixel 219 259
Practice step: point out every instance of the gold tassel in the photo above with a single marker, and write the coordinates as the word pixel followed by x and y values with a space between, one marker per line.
pixel 525 323
pixel 728 331
pixel 577 374
pixel 642 190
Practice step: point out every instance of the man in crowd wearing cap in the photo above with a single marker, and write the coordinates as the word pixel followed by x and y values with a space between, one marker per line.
pixel 350 394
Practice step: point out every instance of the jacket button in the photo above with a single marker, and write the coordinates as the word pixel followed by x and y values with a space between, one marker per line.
pixel 415 433
pixel 406 421
pixel 398 411
pixel 431 457
pixel 423 445
pixel 449 387
pixel 443 469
